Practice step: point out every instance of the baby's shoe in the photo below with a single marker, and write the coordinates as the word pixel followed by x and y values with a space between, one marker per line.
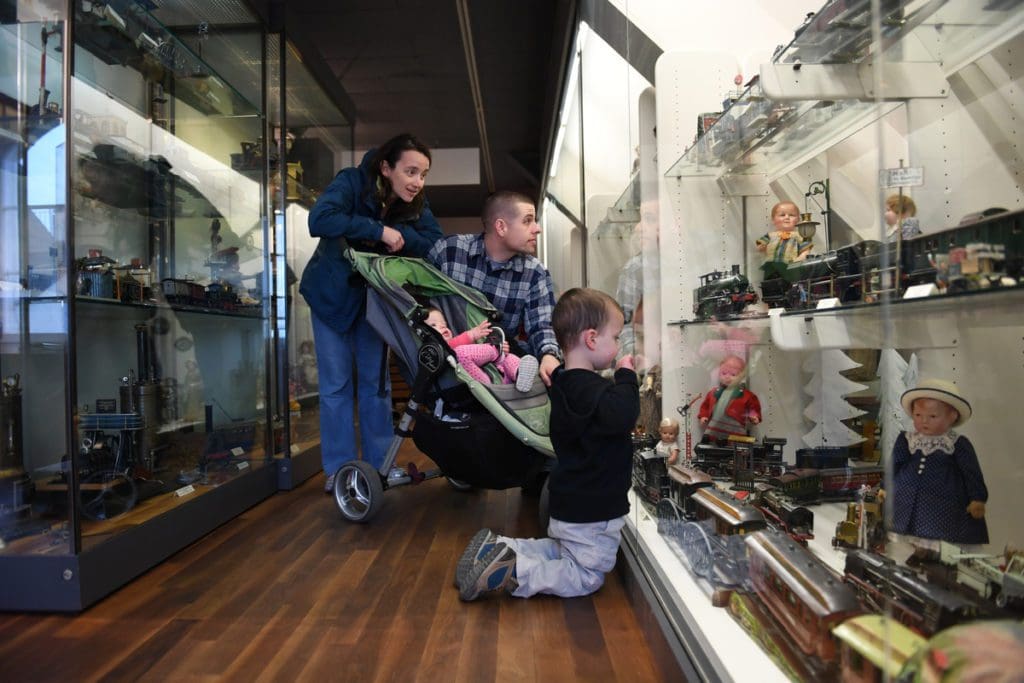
pixel 528 366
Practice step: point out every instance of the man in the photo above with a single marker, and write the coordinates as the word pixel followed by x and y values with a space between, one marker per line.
pixel 502 264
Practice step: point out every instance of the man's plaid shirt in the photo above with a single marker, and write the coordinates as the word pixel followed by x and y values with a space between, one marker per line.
pixel 520 288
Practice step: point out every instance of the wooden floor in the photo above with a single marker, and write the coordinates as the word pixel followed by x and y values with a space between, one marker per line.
pixel 290 591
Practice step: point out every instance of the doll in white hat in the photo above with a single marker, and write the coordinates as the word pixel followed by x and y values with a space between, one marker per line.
pixel 939 492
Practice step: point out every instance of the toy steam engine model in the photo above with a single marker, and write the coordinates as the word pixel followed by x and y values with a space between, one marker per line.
pixel 722 294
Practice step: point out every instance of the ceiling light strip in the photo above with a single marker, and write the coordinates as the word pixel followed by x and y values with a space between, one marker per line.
pixel 474 85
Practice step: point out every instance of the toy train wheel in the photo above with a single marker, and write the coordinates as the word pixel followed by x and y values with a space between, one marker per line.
pixel 697 547
pixel 358 491
pixel 106 494
pixel 667 509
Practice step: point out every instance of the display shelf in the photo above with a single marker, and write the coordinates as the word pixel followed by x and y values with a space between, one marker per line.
pixel 931 322
pixel 255 312
pixel 743 658
pixel 123 32
pixel 757 134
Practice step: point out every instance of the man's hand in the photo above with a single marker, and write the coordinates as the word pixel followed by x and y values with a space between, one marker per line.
pixel 548 363
pixel 392 239
pixel 976 509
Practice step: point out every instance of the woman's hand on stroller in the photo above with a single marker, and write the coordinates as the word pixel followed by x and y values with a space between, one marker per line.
pixel 392 239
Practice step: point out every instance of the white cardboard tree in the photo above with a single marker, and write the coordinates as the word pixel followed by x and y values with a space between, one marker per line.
pixel 829 407
pixel 895 377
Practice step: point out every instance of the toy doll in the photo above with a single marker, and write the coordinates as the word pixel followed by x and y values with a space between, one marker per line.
pixel 669 443
pixel 783 244
pixel 728 408
pixel 307 362
pixel 901 218
pixel 939 492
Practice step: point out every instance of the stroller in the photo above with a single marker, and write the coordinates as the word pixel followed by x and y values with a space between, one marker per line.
pixel 480 435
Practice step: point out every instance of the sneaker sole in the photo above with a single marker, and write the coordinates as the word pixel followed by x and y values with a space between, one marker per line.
pixel 527 375
pixel 471 588
pixel 470 554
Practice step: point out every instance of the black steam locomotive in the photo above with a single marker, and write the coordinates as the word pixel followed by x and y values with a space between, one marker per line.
pixel 722 294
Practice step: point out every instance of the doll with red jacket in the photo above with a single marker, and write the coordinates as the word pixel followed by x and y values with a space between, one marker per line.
pixel 730 407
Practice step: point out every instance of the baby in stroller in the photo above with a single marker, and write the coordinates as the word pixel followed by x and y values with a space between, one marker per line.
pixel 494 349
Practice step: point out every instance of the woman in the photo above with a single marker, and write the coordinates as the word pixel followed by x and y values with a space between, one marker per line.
pixel 378 206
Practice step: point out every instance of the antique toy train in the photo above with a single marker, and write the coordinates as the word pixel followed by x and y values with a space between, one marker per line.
pixel 722 294
pixel 985 253
pixel 923 607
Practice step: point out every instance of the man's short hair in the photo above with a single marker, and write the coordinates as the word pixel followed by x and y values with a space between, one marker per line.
pixel 578 310
pixel 502 204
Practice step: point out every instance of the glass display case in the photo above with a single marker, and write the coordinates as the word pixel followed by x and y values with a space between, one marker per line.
pixel 311 129
pixel 812 527
pixel 136 290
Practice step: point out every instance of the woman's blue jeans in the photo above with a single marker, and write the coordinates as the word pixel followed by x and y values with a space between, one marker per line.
pixel 343 389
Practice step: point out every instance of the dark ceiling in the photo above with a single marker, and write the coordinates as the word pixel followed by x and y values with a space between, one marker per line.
pixel 403 64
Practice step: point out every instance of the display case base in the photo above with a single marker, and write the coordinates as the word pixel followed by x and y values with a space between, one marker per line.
pixel 70 583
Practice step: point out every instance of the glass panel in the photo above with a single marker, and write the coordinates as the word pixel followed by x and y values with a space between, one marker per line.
pixel 318 141
pixel 169 266
pixel 33 284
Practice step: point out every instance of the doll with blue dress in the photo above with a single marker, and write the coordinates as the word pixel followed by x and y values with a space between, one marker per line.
pixel 939 492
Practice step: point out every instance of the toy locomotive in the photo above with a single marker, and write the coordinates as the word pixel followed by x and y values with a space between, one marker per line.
pixel 722 294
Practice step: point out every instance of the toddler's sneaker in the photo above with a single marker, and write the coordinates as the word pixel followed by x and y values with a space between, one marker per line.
pixel 528 367
pixel 329 484
pixel 495 571
pixel 482 543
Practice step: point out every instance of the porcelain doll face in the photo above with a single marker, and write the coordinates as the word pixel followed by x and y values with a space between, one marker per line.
pixel 785 217
pixel 932 417
pixel 729 370
pixel 669 433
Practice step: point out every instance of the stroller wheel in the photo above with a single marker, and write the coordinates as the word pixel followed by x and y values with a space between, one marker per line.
pixel 459 485
pixel 358 491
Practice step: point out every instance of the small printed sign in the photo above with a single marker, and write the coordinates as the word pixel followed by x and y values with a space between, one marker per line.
pixel 906 176
pixel 106 405
pixel 920 291
pixel 295 448
pixel 237 451
pixel 242 465
pixel 831 302
pixel 185 490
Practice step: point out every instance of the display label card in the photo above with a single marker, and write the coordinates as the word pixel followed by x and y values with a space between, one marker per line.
pixel 907 176
pixel 237 451
pixel 106 405
pixel 185 490
pixel 831 302
pixel 295 448
pixel 242 465
pixel 920 291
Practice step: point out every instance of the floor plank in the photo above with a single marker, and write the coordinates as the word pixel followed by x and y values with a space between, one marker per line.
pixel 291 591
